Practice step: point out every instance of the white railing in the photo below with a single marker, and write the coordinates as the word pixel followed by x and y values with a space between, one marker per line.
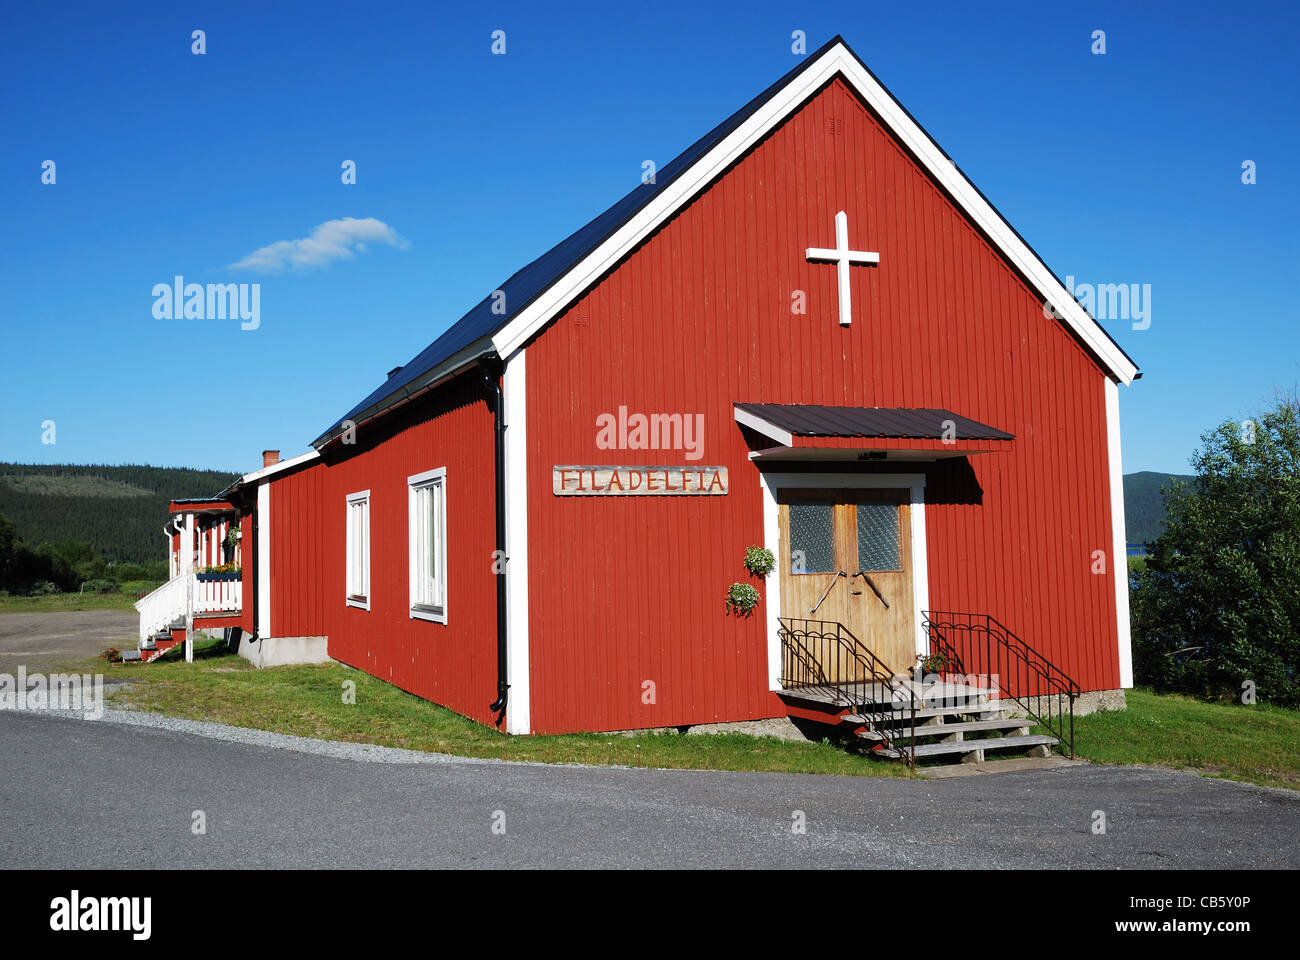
pixel 169 602
pixel 213 596
pixel 180 598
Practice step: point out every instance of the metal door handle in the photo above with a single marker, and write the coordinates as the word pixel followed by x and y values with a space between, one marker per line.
pixel 834 580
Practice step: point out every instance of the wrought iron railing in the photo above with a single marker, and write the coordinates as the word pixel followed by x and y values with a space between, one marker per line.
pixel 975 643
pixel 825 654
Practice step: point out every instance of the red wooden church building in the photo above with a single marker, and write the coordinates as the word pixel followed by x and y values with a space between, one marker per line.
pixel 812 334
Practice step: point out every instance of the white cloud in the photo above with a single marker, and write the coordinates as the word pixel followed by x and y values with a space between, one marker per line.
pixel 332 240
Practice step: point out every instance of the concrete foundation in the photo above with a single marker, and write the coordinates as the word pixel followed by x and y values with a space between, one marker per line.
pixel 782 728
pixel 1090 701
pixel 282 651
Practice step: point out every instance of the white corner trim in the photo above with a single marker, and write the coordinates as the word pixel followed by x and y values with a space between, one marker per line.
pixel 264 562
pixel 772 541
pixel 920 568
pixel 914 483
pixel 769 430
pixel 514 392
pixel 1119 537
pixel 837 60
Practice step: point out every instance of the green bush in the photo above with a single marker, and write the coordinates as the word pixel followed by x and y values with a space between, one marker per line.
pixel 1217 607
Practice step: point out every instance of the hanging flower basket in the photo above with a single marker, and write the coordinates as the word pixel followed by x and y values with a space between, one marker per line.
pixel 741 599
pixel 759 561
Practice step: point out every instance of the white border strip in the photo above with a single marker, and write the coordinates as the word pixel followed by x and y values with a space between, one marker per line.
pixel 275 468
pixel 1119 538
pixel 837 60
pixel 766 428
pixel 514 391
pixel 771 482
pixel 264 561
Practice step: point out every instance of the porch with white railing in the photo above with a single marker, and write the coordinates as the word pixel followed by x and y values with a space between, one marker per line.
pixel 169 603
pixel 217 596
pixel 185 598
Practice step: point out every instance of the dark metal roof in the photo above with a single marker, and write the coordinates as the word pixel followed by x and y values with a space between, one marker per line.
pixel 814 420
pixel 470 335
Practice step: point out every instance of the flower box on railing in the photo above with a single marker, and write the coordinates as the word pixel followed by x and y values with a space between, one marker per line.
pixel 217 577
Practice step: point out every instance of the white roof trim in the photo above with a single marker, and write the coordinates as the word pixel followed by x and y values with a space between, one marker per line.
pixel 275 468
pixel 767 429
pixel 836 60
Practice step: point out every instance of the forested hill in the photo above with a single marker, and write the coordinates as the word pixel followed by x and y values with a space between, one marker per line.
pixel 119 511
pixel 1144 507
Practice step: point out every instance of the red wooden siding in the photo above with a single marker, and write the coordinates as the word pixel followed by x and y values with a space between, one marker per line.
pixel 626 591
pixel 453 664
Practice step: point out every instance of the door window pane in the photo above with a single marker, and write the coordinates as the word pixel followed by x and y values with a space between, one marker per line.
pixel 812 538
pixel 878 536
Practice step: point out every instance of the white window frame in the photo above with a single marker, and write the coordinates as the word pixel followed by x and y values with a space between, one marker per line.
pixel 357 600
pixel 437 612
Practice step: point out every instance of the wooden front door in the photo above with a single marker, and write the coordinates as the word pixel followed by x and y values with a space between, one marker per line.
pixel 866 535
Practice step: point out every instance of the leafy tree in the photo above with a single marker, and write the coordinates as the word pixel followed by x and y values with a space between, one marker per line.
pixel 1217 608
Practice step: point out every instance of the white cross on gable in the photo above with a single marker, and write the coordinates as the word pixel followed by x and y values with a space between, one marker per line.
pixel 843 256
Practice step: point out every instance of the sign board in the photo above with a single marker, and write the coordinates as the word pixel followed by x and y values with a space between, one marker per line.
pixel 638 481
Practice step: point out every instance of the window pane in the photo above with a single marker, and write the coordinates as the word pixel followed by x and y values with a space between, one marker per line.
pixel 812 538
pixel 435 543
pixel 878 536
pixel 422 554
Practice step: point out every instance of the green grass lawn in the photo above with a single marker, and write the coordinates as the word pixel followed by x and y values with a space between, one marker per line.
pixel 116 600
pixel 1257 744
pixel 308 701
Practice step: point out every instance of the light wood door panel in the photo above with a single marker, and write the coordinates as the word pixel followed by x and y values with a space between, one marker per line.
pixel 820 537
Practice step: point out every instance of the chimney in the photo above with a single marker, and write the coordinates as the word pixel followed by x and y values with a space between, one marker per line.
pixel 270 458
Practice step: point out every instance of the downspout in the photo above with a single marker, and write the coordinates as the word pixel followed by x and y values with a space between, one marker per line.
pixel 492 380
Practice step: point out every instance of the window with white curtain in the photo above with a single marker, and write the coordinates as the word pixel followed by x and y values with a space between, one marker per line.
pixel 358 552
pixel 428 544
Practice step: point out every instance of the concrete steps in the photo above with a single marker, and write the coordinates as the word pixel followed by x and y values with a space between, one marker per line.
pixel 948 730
pixel 970 746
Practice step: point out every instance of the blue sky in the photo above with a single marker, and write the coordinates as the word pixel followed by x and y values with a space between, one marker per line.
pixel 1122 168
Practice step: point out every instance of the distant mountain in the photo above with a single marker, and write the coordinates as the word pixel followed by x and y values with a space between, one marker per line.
pixel 120 511
pixel 1144 507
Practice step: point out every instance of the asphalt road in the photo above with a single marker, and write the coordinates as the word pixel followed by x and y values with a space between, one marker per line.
pixel 78 794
